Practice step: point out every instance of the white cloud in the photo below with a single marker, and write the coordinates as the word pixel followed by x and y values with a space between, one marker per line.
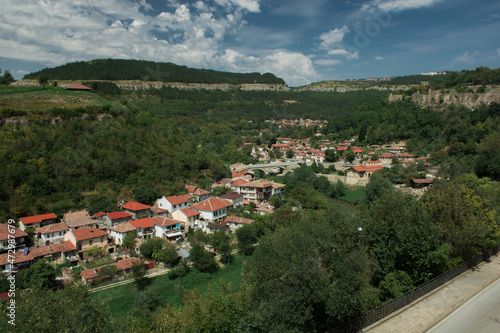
pixel 333 37
pixel 344 53
pixel 398 5
pixel 327 62
pixel 295 68
pixel 379 58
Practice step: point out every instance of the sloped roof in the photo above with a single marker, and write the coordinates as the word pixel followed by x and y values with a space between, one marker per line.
pixel 142 223
pixel 77 87
pixel 57 227
pixel 163 221
pixel 261 183
pixel 190 188
pixel 123 227
pixel 118 215
pixel 81 222
pixel 176 200
pixel 88 233
pixel 239 182
pixel 73 216
pixel 189 212
pixel 238 219
pixel 212 204
pixel 37 218
pixel 4 232
pixel 135 206
pixel 200 191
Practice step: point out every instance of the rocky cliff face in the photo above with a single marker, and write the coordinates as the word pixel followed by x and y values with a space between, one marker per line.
pixel 139 85
pixel 438 100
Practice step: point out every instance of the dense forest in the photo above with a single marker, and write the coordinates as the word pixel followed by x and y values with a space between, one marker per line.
pixel 118 69
pixel 320 260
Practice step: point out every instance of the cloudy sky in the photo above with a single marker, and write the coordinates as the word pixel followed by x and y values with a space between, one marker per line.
pixel 301 41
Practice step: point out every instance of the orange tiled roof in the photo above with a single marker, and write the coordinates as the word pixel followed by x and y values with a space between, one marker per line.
pixel 37 218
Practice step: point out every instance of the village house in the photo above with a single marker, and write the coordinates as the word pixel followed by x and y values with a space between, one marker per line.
pixel 405 157
pixel 157 211
pixel 82 223
pixel 234 222
pixel 144 227
pixel 264 208
pixel 86 238
pixel 115 218
pixel 386 159
pixel 121 231
pixel 10 232
pixel 238 184
pixel 363 171
pixel 50 234
pixel 37 221
pixel 421 183
pixel 166 228
pixel 172 203
pixel 258 190
pixel 124 267
pixel 75 215
pixel 27 257
pixel 198 193
pixel 187 216
pixel 213 209
pixel 136 208
pixel 235 198
pixel 212 227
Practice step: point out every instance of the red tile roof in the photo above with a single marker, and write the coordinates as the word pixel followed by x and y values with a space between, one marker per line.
pixel 37 218
pixel 98 214
pixel 423 181
pixel 163 221
pixel 38 252
pixel 200 191
pixel 189 212
pixel 190 188
pixel 123 227
pixel 118 215
pixel 261 183
pixel 386 155
pixel 4 232
pixel 135 206
pixel 212 205
pixel 186 196
pixel 238 219
pixel 239 182
pixel 52 228
pixel 142 223
pixel 175 200
pixel 88 233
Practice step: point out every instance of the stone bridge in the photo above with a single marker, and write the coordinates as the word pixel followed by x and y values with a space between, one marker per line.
pixel 282 167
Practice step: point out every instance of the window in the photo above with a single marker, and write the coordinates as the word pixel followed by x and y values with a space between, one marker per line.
pixel 90 242
pixel 102 239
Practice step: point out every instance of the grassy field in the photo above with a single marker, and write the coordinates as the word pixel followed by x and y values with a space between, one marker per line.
pixel 354 194
pixel 121 299
pixel 39 99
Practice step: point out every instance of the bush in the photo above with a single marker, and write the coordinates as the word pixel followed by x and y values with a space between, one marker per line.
pixel 181 270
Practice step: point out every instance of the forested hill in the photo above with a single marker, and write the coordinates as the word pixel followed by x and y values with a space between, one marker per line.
pixel 118 69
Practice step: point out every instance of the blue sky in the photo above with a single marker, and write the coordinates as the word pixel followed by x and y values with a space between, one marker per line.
pixel 302 41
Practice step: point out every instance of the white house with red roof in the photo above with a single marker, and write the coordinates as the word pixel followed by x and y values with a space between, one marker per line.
pixel 213 209
pixel 234 222
pixel 37 221
pixel 86 238
pixel 198 193
pixel 172 203
pixel 145 228
pixel 118 233
pixel 50 234
pixel 9 232
pixel 136 208
pixel 167 228
pixel 187 216
pixel 235 198
pixel 123 267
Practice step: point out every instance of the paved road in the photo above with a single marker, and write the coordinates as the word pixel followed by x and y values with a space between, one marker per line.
pixel 480 314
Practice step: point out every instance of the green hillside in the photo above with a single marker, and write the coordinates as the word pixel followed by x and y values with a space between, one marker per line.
pixel 119 69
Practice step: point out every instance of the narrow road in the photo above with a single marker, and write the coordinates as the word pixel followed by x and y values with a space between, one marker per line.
pixel 480 314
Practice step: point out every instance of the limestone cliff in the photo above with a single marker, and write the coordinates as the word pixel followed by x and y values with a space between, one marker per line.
pixel 138 85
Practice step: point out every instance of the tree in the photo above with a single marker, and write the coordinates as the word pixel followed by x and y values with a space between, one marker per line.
pixel 129 240
pixel 168 255
pixel 151 247
pixel 330 155
pixel 276 201
pixel 221 190
pixel 377 186
pixel 217 238
pixel 225 253
pixel 140 279
pixel 349 156
pixel 289 153
pixel 7 78
pixel 43 80
pixel 202 260
pixel 41 275
pixel 246 238
pixel 71 309
pixel 106 273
